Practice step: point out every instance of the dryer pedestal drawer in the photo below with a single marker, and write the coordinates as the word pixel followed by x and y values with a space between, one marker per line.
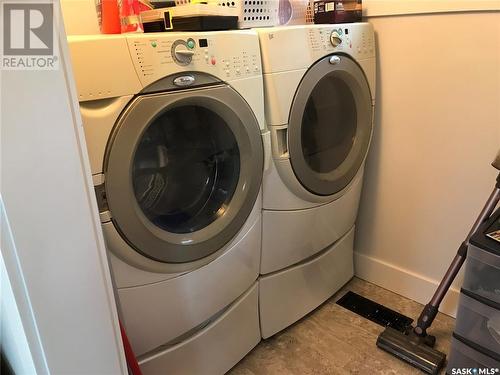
pixel 286 296
pixel 290 236
pixel 478 323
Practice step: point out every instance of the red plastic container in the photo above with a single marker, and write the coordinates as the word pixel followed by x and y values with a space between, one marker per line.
pixel 129 16
pixel 110 17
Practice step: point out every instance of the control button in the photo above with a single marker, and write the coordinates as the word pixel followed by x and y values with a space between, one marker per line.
pixel 247 69
pixel 153 44
pixel 213 61
pixel 237 71
pixel 227 63
pixel 191 44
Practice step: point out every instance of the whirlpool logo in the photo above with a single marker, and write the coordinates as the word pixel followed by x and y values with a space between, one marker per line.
pixel 475 371
pixel 29 36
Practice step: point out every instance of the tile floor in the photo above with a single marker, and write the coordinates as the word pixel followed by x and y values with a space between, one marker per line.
pixel 333 340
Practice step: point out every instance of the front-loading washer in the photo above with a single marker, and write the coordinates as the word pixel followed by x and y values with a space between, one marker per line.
pixel 319 84
pixel 174 124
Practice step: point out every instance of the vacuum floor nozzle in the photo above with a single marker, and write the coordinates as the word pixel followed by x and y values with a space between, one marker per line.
pixel 412 349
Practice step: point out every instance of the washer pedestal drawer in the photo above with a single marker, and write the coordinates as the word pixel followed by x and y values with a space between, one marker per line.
pixel 215 348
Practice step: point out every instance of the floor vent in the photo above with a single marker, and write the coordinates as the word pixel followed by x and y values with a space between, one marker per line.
pixel 374 311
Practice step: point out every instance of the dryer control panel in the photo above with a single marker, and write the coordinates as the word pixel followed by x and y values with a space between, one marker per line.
pixel 298 47
pixel 346 38
pixel 226 55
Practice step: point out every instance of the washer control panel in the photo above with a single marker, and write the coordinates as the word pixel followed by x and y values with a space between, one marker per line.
pixel 226 55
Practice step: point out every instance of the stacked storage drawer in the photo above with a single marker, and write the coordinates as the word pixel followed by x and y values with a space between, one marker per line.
pixel 476 340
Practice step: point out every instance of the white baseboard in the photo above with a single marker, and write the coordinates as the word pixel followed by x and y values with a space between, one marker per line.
pixel 402 281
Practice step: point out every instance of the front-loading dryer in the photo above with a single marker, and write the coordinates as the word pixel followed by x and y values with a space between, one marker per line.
pixel 319 84
pixel 174 125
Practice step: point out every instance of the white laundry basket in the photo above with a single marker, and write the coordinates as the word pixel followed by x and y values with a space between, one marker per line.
pixel 295 12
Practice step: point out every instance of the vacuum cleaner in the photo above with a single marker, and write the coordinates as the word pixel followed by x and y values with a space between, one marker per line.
pixel 416 346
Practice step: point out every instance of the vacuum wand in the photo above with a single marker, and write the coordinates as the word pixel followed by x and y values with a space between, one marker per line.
pixel 416 346
pixel 431 309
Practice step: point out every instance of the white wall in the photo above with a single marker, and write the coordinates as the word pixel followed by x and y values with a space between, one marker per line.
pixel 372 8
pixel 437 129
pixel 57 267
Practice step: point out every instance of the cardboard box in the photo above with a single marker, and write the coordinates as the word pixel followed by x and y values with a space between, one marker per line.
pixel 337 11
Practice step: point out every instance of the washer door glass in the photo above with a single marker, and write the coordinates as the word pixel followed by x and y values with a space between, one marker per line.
pixel 330 125
pixel 186 169
pixel 183 171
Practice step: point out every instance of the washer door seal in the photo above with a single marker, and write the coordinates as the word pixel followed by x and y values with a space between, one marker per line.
pixel 330 125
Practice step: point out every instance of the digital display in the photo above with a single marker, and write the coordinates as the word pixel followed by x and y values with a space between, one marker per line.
pixel 346 31
pixel 202 42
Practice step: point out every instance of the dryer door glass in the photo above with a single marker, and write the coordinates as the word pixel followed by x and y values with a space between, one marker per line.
pixel 183 171
pixel 330 125
pixel 186 169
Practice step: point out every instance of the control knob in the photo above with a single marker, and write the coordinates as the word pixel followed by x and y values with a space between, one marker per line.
pixel 182 52
pixel 335 38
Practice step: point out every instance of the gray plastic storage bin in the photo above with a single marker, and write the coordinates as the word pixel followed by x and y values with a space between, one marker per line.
pixel 463 356
pixel 478 323
pixel 482 273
